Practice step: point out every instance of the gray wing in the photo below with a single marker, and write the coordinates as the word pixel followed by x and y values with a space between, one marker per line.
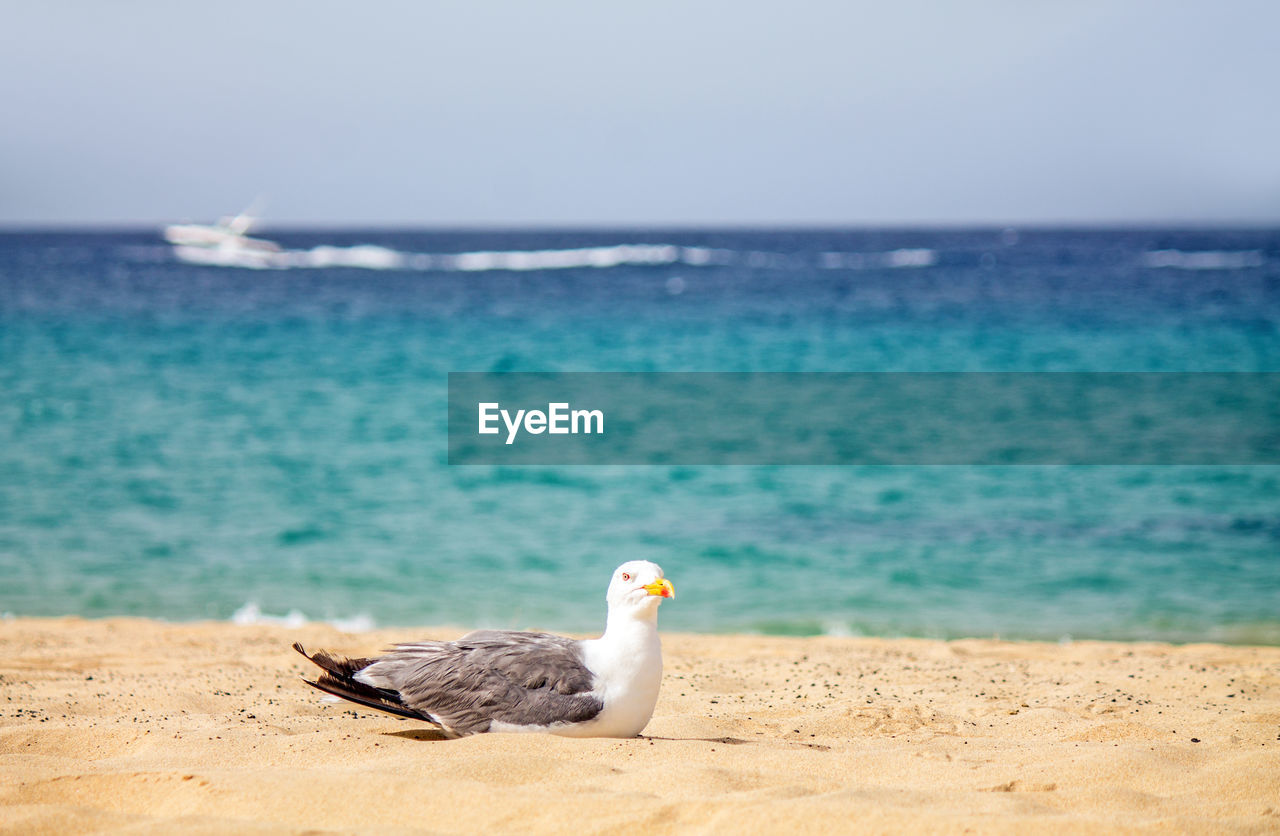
pixel 526 679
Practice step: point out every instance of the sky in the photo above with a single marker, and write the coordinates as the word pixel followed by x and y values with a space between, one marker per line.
pixel 700 112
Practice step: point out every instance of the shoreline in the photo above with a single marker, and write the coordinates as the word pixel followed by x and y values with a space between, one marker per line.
pixel 363 625
pixel 205 726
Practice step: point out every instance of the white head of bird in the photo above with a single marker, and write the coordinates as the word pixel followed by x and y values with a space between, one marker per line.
pixel 637 588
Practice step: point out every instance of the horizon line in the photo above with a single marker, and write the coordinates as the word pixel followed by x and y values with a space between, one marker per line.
pixel 20 227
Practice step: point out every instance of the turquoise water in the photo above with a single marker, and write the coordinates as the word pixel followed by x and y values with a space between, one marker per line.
pixel 185 442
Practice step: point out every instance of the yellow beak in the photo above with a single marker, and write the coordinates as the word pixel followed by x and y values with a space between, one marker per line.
pixel 661 587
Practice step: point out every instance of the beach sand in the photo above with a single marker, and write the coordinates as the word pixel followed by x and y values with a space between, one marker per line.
pixel 141 726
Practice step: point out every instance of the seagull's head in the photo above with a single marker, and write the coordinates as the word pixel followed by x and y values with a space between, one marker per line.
pixel 638 586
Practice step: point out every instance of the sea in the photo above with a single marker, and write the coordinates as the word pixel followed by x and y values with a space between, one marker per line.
pixel 267 442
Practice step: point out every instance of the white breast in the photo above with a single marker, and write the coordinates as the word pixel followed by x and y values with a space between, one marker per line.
pixel 628 671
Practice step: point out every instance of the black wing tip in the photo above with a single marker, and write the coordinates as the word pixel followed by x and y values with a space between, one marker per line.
pixel 362 694
pixel 337 679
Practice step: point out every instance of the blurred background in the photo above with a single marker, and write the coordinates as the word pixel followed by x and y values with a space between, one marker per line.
pixel 245 419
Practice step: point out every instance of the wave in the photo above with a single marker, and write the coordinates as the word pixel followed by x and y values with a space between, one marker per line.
pixel 251 614
pixel 1204 260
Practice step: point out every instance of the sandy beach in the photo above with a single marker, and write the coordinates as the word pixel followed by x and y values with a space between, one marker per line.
pixel 142 726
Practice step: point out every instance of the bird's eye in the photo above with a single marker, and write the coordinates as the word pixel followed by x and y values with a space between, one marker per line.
pixel 626 576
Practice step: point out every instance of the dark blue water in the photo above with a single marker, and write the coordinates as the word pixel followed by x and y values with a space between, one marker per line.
pixel 183 441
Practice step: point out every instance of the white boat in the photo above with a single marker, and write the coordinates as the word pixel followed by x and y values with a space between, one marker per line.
pixel 225 244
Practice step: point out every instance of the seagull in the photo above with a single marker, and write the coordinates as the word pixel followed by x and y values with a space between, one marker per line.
pixel 510 681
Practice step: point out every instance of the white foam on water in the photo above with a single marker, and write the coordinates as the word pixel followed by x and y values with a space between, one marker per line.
pixel 354 624
pixel 837 629
pixel 373 257
pixel 1204 260
pixel 368 256
pixel 893 259
pixel 700 256
pixel 251 614
pixel 230 257
pixel 599 257
pixel 912 257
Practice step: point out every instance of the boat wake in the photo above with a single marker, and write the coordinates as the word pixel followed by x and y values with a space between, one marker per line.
pixel 373 257
pixel 228 244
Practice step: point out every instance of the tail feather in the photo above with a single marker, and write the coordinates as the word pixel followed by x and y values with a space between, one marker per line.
pixel 338 680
